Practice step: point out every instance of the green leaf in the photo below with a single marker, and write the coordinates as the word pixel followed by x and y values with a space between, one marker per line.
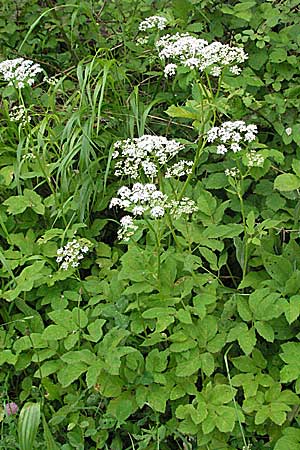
pixel 49 440
pixel 54 333
pixel 188 367
pixel 223 231
pixel 221 393
pixel 207 363
pixel 197 415
pixel 278 267
pixel 292 309
pixel 247 341
pixel 16 205
pixel 287 182
pixel 68 374
pixel 225 419
pixel 95 330
pixel 122 407
pixel 184 112
pixel 158 397
pixel 265 330
pixel 28 425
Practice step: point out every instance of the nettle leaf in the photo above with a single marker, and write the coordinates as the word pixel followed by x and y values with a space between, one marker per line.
pixel 245 337
pixel 207 363
pixel 248 382
pixel 188 367
pixel 95 330
pixel 157 361
pixel 206 203
pixel 275 411
pixel 30 199
pixel 287 182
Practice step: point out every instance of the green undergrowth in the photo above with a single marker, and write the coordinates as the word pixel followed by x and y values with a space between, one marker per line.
pixel 185 334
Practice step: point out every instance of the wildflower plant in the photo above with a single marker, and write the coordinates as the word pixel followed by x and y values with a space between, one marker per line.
pixel 183 327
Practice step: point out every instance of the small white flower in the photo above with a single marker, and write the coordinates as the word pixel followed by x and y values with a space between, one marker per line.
pixel 235 147
pixel 158 22
pixel 72 253
pixel 255 159
pixel 170 70
pixel 19 114
pixel 288 131
pixel 231 172
pixel 157 211
pixel 179 169
pixel 127 229
pixel 221 149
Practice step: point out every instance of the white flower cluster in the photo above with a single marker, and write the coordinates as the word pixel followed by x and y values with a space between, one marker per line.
pixel 158 22
pixel 19 72
pixel 19 114
pixel 231 172
pixel 146 198
pixel 127 229
pixel 141 198
pixel 195 53
pixel 185 206
pixel 233 134
pixel 255 159
pixel 179 169
pixel 147 153
pixel 72 253
pixel 51 80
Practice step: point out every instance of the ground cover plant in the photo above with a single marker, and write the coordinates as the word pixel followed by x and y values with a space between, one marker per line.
pixel 149 225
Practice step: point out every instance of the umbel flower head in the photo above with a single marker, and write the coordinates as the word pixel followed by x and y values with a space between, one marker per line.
pixel 147 199
pixel 158 22
pixel 231 136
pixel 19 72
pixel 144 154
pixel 19 114
pixel 194 53
pixel 71 254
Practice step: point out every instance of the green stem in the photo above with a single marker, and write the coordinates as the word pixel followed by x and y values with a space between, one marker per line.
pixel 245 264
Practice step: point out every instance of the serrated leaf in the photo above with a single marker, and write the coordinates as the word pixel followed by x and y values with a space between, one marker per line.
pixel 292 309
pixel 68 374
pixel 247 341
pixel 265 330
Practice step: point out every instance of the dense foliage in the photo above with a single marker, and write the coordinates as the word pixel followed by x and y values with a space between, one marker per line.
pixel 149 225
